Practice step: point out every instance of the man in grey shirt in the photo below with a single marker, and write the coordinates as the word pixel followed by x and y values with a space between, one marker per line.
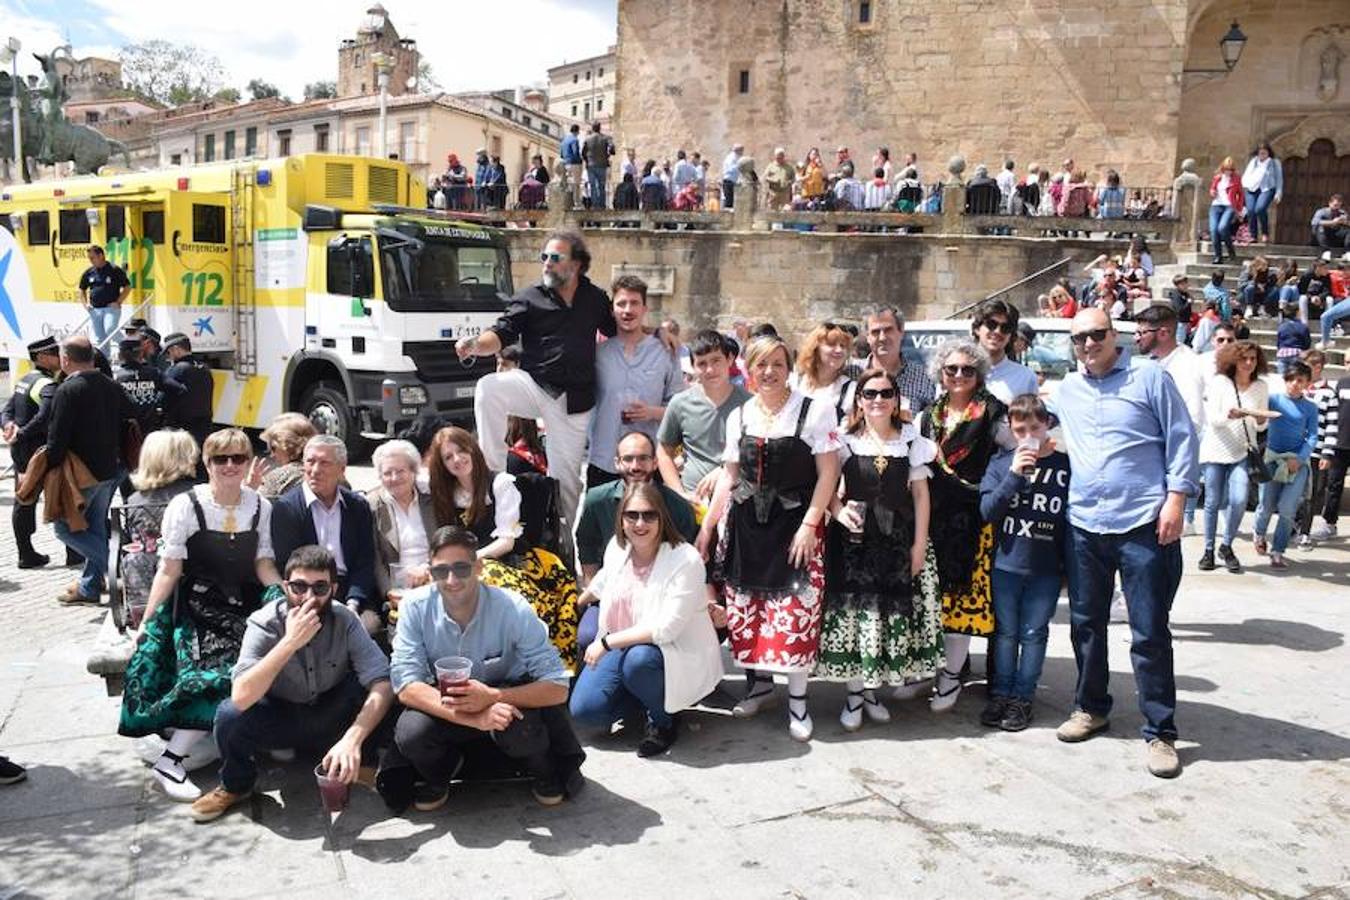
pixel 636 374
pixel 308 675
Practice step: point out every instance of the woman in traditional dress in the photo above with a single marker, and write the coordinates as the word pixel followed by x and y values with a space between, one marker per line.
pixel 883 616
pixel 968 424
pixel 465 493
pixel 215 568
pixel 781 466
pixel 820 368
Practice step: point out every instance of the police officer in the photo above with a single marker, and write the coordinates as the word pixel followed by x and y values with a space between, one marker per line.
pixel 25 431
pixel 188 387
pixel 142 382
pixel 103 288
pixel 150 348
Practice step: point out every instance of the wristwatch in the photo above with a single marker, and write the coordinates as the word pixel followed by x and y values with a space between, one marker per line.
pixel 604 642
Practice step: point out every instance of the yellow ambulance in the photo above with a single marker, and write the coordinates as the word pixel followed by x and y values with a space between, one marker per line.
pixel 314 283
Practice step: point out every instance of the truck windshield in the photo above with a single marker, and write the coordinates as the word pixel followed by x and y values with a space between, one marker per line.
pixel 443 276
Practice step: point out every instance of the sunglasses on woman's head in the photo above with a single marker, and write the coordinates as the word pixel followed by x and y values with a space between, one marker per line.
pixel 234 459
pixel 960 371
pixel 300 587
pixel 442 571
pixel 878 393
pixel 640 515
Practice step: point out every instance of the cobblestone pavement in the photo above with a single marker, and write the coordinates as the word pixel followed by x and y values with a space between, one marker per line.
pixel 927 806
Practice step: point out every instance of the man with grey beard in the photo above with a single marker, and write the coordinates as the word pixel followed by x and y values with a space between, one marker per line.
pixel 555 322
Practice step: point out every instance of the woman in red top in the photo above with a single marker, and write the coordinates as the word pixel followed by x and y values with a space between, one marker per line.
pixel 1225 209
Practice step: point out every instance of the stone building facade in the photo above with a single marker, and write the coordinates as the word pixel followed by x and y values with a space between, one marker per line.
pixel 583 91
pixel 357 72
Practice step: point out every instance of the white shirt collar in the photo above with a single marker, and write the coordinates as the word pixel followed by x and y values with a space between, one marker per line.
pixel 311 498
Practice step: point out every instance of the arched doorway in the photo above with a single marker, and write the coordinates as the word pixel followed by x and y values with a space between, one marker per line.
pixel 1308 181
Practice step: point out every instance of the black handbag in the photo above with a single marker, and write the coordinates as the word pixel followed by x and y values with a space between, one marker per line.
pixel 1257 470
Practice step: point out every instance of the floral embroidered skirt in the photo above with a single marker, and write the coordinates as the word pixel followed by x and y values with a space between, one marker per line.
pixel 779 631
pixel 970 610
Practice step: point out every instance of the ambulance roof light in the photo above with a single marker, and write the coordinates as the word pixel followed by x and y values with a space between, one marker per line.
pixel 182 184
pixel 264 177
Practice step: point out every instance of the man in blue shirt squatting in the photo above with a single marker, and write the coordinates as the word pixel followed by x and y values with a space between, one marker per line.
pixel 511 710
pixel 1133 455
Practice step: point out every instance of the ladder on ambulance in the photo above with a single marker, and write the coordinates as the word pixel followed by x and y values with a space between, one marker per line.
pixel 245 309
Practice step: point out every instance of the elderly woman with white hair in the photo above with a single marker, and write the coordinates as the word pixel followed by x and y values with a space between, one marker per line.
pixel 405 518
pixel 969 425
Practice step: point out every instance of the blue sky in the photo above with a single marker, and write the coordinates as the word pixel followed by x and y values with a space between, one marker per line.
pixel 291 44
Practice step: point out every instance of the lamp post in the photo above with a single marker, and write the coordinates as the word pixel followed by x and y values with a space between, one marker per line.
pixel 10 54
pixel 384 64
pixel 1230 51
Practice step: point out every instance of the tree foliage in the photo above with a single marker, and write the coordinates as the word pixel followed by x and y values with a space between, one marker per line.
pixel 170 73
pixel 321 90
pixel 260 90
pixel 426 79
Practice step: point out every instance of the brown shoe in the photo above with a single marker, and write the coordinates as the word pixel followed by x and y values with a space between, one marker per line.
pixel 1080 726
pixel 72 595
pixel 212 806
pixel 1162 758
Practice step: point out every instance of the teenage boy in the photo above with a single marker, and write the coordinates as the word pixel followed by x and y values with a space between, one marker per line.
pixel 696 419
pixel 1290 440
pixel 1025 496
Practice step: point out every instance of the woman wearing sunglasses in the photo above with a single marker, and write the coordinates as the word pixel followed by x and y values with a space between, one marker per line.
pixel 215 568
pixel 656 643
pixel 968 424
pixel 820 368
pixel 883 619
pixel 465 493
pixel 781 466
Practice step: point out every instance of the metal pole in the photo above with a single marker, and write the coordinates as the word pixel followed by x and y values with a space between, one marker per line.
pixel 384 112
pixel 14 48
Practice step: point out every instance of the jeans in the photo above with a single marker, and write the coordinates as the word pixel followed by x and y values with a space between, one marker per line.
pixel 104 321
pixel 1255 297
pixel 588 627
pixel 542 741
pixel 1226 491
pixel 1339 312
pixel 1222 222
pixel 92 543
pixel 272 724
pixel 1023 605
pixel 1258 208
pixel 597 175
pixel 605 690
pixel 1280 498
pixel 1149 576
pixel 728 194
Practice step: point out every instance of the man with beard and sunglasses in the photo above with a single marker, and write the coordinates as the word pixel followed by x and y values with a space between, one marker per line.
pixel 308 675
pixel 993 325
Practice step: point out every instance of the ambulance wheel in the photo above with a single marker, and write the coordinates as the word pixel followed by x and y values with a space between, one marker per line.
pixel 325 404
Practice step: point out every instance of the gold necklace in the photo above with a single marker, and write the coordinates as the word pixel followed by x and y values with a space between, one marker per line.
pixel 766 416
pixel 881 461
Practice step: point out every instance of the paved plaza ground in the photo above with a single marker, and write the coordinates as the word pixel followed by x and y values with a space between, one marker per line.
pixel 927 806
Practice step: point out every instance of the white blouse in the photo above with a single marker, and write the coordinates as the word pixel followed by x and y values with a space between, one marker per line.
pixel 1225 440
pixel 919 450
pixel 505 500
pixel 820 431
pixel 180 521
pixel 838 395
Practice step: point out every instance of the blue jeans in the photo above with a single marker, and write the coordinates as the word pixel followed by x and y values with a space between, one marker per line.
pixel 1258 208
pixel 1337 313
pixel 1225 491
pixel 1280 499
pixel 1149 576
pixel 603 692
pixel 1023 605
pixel 104 322
pixel 92 543
pixel 1222 223
pixel 598 176
pixel 588 626
pixel 1267 300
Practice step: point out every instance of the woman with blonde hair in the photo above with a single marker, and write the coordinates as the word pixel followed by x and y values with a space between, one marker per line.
pixel 1225 208
pixel 467 494
pixel 281 470
pixel 820 367
pixel 215 568
pixel 167 468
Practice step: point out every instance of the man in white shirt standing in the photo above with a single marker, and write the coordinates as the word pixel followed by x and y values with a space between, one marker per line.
pixel 1007 183
pixel 993 325
pixel 1156 337
pixel 731 174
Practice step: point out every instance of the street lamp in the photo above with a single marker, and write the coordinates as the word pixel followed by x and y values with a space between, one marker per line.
pixel 1230 51
pixel 384 64
pixel 10 54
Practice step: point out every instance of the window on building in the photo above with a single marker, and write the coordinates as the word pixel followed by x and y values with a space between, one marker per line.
pixel 363 140
pixel 115 222
pixel 601 73
pixel 284 142
pixel 506 111
pixel 588 109
pixel 91 117
pixel 175 159
pixel 599 103
pixel 743 81
pixel 496 145
pixel 864 12
pixel 229 145
pixel 209 148
pixel 575 77
pixel 321 138
pixel 251 141
pixel 588 74
pixel 526 121
pixel 407 141
pixel 574 110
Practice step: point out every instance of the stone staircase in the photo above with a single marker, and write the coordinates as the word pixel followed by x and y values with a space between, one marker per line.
pixel 1198 267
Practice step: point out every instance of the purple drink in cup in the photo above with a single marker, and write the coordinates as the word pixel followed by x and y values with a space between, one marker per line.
pixel 332 791
pixel 452 670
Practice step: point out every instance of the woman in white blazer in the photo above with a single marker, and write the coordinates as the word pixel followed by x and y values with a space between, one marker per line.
pixel 656 644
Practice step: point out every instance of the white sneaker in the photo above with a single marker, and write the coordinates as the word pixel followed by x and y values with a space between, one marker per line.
pixel 1305 542
pixel 851 716
pixel 173 780
pixel 150 748
pixel 1323 532
pixel 874 708
pixel 201 754
pixel 751 704
pixel 1119 611
pixel 947 691
pixel 914 690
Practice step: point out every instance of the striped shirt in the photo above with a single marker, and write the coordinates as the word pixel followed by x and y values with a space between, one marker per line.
pixel 1323 396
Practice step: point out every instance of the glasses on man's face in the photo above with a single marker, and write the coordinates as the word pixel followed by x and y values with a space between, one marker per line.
pixel 634 516
pixel 1002 325
pixel 631 458
pixel 547 257
pixel 443 571
pixel 1097 334
pixel 299 587
pixel 233 459
pixel 878 393
pixel 960 371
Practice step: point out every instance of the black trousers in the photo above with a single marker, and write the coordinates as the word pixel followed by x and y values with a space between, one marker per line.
pixel 542 743
pixel 1335 485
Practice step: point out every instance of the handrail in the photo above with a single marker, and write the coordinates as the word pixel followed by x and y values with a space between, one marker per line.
pixel 102 346
pixel 1016 284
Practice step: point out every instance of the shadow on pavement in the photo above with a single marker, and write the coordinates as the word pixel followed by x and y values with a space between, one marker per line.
pixel 1261 632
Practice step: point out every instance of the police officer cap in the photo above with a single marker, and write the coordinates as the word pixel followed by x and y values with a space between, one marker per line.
pixel 152 334
pixel 176 337
pixel 134 325
pixel 129 345
pixel 44 345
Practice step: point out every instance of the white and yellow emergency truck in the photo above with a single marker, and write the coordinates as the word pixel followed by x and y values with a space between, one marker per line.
pixel 314 283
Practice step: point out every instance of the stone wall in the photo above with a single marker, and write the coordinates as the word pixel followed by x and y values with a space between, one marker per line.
pixel 798 279
pixel 1034 80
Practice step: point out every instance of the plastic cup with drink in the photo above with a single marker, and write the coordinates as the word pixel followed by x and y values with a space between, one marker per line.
pixel 1032 443
pixel 334 792
pixel 452 671
pixel 857 508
